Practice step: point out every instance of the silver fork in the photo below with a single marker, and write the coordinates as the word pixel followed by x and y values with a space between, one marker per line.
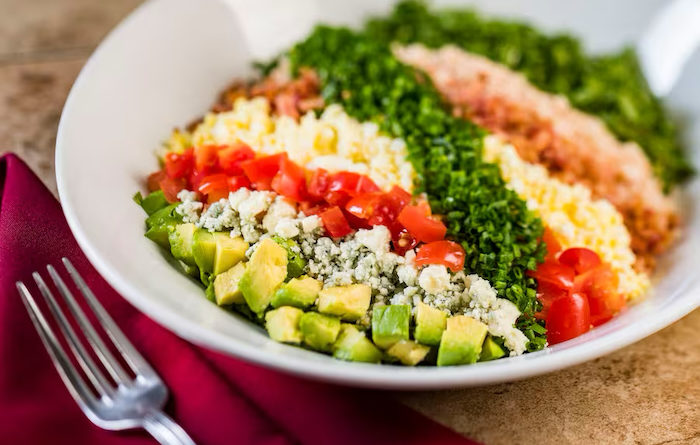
pixel 116 403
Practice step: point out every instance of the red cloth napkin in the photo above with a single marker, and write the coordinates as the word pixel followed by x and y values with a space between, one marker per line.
pixel 217 399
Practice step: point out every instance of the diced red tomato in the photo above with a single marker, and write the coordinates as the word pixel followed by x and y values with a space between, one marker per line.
pixel 171 187
pixel 179 165
pixel 366 185
pixel 206 158
pixel 262 170
pixel 363 205
pixel 290 181
pixel 421 226
pixel 310 208
pixel 230 158
pixel 318 184
pixel 236 182
pixel 554 273
pixel 580 259
pixel 335 223
pixel 447 253
pixel 215 187
pixel 547 293
pixel 600 285
pixel 401 239
pixel 553 246
pixel 568 317
pixel 425 207
pixel 153 180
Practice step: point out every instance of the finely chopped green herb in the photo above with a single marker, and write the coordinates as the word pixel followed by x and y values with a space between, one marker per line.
pixel 499 234
pixel 611 87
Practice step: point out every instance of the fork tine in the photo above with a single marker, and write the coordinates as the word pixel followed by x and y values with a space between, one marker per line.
pixel 125 347
pixel 69 374
pixel 114 368
pixel 86 362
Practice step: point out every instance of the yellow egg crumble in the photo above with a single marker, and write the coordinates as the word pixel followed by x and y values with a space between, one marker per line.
pixel 334 141
pixel 575 217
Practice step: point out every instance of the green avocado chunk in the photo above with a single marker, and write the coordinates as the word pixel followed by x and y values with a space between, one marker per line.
pixel 430 323
pixel 283 324
pixel 160 223
pixel 408 352
pixel 348 302
pixel 319 331
pixel 295 262
pixel 461 341
pixel 266 270
pixel 203 250
pixel 226 289
pixel 181 242
pixel 229 252
pixel 390 324
pixel 299 292
pixel 353 345
pixel 153 202
pixel 490 350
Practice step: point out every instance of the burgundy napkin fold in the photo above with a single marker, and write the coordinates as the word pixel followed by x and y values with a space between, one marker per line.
pixel 217 399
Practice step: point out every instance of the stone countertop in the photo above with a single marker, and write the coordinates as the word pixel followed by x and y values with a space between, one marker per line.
pixel 647 393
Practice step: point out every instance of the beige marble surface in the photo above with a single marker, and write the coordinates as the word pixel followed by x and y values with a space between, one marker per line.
pixel 647 393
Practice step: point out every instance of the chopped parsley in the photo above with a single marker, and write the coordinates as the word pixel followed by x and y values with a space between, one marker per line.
pixel 611 86
pixel 499 234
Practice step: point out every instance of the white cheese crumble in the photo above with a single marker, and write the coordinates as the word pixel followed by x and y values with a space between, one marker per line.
pixel 189 207
pixel 434 279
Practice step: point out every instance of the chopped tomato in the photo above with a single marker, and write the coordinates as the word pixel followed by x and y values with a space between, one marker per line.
pixel 318 184
pixel 547 293
pixel 568 317
pixel 355 222
pixel 236 182
pixel 206 158
pixel 179 165
pixel 554 273
pixel 580 259
pixel 153 180
pixel 421 226
pixel 553 246
pixel 600 285
pixel 310 208
pixel 290 181
pixel 214 187
pixel 366 185
pixel 262 170
pixel 401 240
pixel 398 199
pixel 425 207
pixel 171 187
pixel 230 158
pixel 335 223
pixel 447 253
pixel 363 205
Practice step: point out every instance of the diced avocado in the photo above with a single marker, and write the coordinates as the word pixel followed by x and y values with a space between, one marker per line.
pixel 348 302
pixel 299 292
pixel 319 331
pixel 203 250
pixel 353 345
pixel 226 285
pixel 491 350
pixel 430 323
pixel 192 271
pixel 266 270
pixel 390 324
pixel 229 252
pixel 408 352
pixel 461 341
pixel 295 262
pixel 283 324
pixel 180 239
pixel 206 278
pixel 209 293
pixel 153 202
pixel 160 223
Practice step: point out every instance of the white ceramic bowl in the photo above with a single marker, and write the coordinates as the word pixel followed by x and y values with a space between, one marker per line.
pixel 164 66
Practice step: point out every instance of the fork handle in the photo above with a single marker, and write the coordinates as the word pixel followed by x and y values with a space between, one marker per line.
pixel 165 430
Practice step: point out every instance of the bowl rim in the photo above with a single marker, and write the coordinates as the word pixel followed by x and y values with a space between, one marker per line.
pixel 353 374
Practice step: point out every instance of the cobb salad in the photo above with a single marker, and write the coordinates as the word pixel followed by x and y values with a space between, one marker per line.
pixel 435 188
